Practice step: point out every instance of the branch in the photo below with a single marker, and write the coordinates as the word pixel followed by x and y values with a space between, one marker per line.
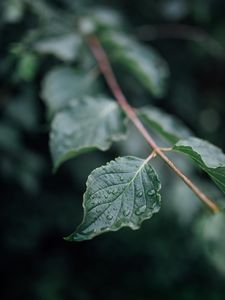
pixel 106 69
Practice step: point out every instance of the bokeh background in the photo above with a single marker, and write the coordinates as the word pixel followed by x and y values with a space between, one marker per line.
pixel 169 257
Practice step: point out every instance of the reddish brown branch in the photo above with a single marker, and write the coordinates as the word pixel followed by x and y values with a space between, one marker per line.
pixel 106 69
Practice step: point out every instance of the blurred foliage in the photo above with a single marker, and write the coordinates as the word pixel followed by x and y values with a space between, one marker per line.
pixel 173 255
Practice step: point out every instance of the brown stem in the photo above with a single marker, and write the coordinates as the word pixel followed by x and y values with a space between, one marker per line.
pixel 151 156
pixel 106 69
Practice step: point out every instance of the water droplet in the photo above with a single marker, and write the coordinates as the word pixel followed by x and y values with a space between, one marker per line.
pixel 151 193
pixel 126 213
pixel 139 194
pixel 114 192
pixel 121 178
pixel 109 191
pixel 109 217
pixel 106 196
pixel 156 206
pixel 140 210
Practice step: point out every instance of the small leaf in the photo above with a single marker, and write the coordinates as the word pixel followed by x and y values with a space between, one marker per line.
pixel 106 18
pixel 207 156
pixel 63 84
pixel 99 18
pixel 142 61
pixel 166 125
pixel 84 125
pixel 122 193
pixel 65 47
pixel 27 66
pixel 12 11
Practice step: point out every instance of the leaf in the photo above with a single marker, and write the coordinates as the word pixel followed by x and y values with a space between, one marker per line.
pixel 106 18
pixel 12 11
pixel 166 125
pixel 210 233
pixel 84 125
pixel 207 156
pixel 99 18
pixel 122 193
pixel 65 47
pixel 27 66
pixel 142 61
pixel 63 84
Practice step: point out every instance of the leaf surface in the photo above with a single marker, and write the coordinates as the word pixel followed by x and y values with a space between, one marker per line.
pixel 165 124
pixel 210 232
pixel 84 125
pixel 65 47
pixel 63 84
pixel 125 192
pixel 142 61
pixel 207 156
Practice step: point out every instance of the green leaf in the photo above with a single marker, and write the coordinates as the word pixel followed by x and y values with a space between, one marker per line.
pixel 122 193
pixel 166 125
pixel 142 61
pixel 27 66
pixel 210 233
pixel 65 47
pixel 106 18
pixel 12 10
pixel 207 156
pixel 84 125
pixel 98 19
pixel 63 84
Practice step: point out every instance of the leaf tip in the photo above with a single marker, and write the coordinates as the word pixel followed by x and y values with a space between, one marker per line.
pixel 75 237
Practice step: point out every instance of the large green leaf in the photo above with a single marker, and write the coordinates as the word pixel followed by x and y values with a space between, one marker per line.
pixel 85 124
pixel 63 84
pixel 65 47
pixel 166 125
pixel 142 61
pixel 207 156
pixel 125 192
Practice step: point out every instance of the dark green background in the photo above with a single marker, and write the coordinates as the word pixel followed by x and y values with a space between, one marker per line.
pixel 166 258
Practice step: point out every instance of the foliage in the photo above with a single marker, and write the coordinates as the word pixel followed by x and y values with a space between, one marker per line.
pixel 45 56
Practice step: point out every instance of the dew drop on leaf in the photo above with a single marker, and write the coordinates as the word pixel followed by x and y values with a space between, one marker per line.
pixel 139 194
pixel 139 211
pixel 109 217
pixel 126 213
pixel 151 193
pixel 114 192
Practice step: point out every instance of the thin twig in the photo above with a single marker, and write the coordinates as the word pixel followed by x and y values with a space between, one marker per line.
pixel 169 149
pixel 106 69
pixel 151 156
